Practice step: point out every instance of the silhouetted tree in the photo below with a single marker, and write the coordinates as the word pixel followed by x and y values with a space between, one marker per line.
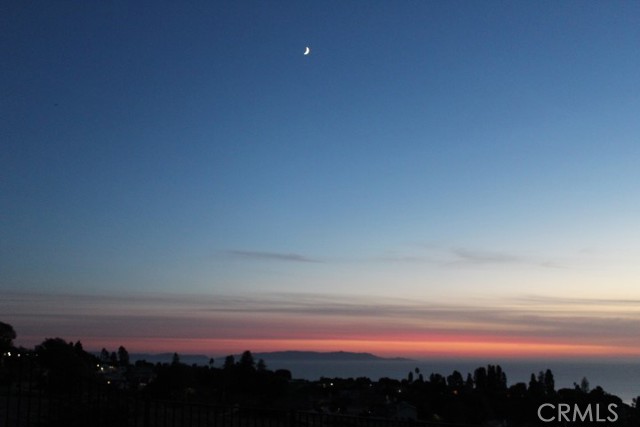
pixel 123 356
pixel 113 359
pixel 536 388
pixel 518 390
pixel 246 360
pixel 455 380
pixel 283 373
pixel 175 380
pixel 480 378
pixel 549 382
pixel 501 377
pixel 104 355
pixel 584 385
pixel 7 335
pixel 410 376
pixel 211 361
pixel 175 360
pixel 229 362
pixel 437 380
pixel 468 384
pixel 261 366
pixel 496 378
pixel 65 361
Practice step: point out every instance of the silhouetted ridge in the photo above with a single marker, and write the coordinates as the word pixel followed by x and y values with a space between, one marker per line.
pixel 334 356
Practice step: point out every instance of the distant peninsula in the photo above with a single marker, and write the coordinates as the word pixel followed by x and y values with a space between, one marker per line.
pixel 332 356
pixel 274 356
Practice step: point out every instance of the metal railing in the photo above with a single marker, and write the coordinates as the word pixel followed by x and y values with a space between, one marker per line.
pixel 25 401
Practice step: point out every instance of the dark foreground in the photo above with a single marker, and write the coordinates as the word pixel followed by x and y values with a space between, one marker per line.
pixel 59 384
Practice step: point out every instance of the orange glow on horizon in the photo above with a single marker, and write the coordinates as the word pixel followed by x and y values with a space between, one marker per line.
pixel 512 328
pixel 517 349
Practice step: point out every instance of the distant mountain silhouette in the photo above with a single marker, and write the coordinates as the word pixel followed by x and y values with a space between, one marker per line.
pixel 333 356
pixel 279 356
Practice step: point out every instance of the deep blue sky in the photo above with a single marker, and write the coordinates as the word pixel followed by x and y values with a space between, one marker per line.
pixel 429 150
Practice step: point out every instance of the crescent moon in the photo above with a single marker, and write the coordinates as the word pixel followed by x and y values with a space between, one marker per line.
pixel 307 51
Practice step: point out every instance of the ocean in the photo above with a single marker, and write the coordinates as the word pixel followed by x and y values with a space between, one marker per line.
pixel 618 378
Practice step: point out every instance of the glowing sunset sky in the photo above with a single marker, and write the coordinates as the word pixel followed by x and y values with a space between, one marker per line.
pixel 452 178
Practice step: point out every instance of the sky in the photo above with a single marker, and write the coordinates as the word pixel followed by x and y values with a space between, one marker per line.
pixel 435 179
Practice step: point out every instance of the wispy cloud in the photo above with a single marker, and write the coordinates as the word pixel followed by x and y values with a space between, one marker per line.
pixel 303 316
pixel 484 257
pixel 403 259
pixel 447 256
pixel 272 256
pixel 475 256
pixel 578 301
